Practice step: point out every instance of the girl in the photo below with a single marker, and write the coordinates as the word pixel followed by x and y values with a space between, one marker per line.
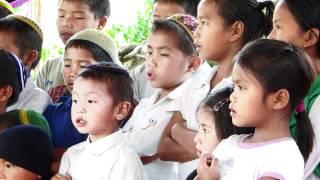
pixel 224 27
pixel 271 79
pixel 215 123
pixel 298 22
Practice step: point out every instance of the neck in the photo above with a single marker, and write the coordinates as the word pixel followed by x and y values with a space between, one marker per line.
pixel 276 126
pixel 315 57
pixel 3 107
pixel 224 70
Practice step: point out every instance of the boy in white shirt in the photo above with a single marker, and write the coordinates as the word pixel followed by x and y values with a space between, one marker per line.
pixel 102 96
pixel 172 57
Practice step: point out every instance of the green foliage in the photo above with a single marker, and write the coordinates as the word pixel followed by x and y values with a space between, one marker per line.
pixel 134 34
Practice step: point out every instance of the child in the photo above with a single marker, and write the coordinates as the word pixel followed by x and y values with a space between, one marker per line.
pixel 161 10
pixel 225 26
pixel 215 123
pixel 172 58
pixel 87 47
pixel 102 96
pixel 298 22
pixel 271 79
pixel 26 152
pixel 23 37
pixel 5 9
pixel 12 79
pixel 73 16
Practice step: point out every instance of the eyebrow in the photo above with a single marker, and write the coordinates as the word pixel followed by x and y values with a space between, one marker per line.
pixel 75 12
pixel 160 48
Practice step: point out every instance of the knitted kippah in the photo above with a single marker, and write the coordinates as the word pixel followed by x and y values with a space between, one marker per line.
pixel 30 22
pixel 100 39
pixel 6 5
pixel 186 22
pixel 28 147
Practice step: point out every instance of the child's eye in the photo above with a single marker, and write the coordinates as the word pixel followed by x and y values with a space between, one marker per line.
pixel 79 18
pixel 74 101
pixel 149 53
pixel 9 165
pixel 67 65
pixel 92 101
pixel 205 130
pixel 164 54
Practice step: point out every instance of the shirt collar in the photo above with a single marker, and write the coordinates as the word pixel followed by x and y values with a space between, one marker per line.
pixel 100 146
pixel 206 79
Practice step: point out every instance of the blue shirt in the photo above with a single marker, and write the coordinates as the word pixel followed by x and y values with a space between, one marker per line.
pixel 64 134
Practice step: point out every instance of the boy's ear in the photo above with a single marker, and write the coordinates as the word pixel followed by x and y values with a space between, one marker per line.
pixel 5 93
pixel 237 30
pixel 30 58
pixel 102 22
pixel 122 110
pixel 195 63
pixel 311 37
pixel 280 99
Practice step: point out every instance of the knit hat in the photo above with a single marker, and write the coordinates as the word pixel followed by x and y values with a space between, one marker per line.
pixel 100 39
pixel 6 5
pixel 29 22
pixel 24 117
pixel 28 147
pixel 186 22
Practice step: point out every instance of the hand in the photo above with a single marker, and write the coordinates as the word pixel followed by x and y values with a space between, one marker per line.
pixel 61 177
pixel 148 159
pixel 208 168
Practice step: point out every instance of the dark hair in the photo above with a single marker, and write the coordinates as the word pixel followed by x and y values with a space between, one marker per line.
pixel 9 74
pixel 256 16
pixel 117 80
pixel 25 37
pixel 4 12
pixel 98 7
pixel 306 14
pixel 183 41
pixel 218 102
pixel 279 65
pixel 190 6
pixel 97 52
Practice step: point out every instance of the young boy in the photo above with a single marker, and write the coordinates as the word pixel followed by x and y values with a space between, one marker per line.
pixel 5 9
pixel 102 96
pixel 23 37
pixel 87 47
pixel 172 58
pixel 73 16
pixel 26 153
pixel 161 10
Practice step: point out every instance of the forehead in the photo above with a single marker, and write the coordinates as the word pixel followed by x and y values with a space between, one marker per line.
pixel 163 38
pixel 167 9
pixel 242 75
pixel 74 6
pixel 207 8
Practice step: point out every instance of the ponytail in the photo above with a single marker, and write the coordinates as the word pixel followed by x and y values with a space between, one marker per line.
pixel 267 8
pixel 304 136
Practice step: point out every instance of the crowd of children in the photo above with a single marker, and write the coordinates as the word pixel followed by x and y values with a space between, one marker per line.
pixel 160 111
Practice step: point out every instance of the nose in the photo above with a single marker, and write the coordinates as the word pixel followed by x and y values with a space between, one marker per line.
pixel 271 35
pixel 196 138
pixel 151 61
pixel 66 22
pixel 2 166
pixel 197 33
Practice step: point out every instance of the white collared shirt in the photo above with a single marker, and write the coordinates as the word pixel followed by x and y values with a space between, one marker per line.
pixel 144 130
pixel 32 97
pixel 108 158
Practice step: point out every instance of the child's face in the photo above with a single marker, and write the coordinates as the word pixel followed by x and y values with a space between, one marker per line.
pixel 9 171
pixel 211 35
pixel 206 138
pixel 74 16
pixel 285 27
pixel 167 66
pixel 75 59
pixel 248 102
pixel 162 10
pixel 93 109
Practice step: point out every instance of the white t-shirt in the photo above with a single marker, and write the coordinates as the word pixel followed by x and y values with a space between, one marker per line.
pixel 108 158
pixel 32 97
pixel 279 158
pixel 144 130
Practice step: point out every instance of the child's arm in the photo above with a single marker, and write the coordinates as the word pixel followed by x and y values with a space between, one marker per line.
pixel 169 149
pixel 208 168
pixel 61 177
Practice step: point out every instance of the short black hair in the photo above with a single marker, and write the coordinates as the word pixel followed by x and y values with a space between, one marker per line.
pixel 98 7
pixel 184 41
pixel 8 75
pixel 26 38
pixel 97 52
pixel 190 6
